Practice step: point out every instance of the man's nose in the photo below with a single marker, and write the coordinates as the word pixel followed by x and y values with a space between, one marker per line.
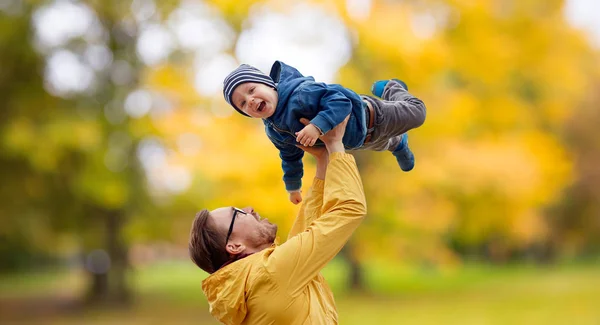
pixel 248 210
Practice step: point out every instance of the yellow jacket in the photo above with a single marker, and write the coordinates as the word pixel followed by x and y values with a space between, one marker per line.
pixel 282 284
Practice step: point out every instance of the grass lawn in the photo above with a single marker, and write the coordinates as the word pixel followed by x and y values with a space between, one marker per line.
pixel 170 294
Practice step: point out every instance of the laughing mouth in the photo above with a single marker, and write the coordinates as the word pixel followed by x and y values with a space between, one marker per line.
pixel 261 107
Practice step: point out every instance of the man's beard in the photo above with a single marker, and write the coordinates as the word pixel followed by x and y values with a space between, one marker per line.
pixel 267 234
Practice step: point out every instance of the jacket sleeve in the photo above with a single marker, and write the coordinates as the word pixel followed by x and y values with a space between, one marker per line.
pixel 333 105
pixel 299 260
pixel 310 208
pixel 291 163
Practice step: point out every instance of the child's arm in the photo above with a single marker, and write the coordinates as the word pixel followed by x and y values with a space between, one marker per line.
pixel 293 169
pixel 332 108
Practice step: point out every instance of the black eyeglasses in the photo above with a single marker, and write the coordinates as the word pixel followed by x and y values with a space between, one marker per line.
pixel 235 212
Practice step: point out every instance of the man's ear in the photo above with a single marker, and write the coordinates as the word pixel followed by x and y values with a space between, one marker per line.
pixel 235 248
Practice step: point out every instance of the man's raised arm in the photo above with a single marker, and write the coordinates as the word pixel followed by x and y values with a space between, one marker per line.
pixel 303 256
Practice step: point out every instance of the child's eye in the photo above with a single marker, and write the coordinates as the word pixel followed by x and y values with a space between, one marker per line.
pixel 243 103
pixel 252 90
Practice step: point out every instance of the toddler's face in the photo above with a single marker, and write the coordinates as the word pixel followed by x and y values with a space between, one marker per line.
pixel 255 99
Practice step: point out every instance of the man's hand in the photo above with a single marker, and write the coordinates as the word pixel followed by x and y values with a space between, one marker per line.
pixel 320 153
pixel 333 138
pixel 308 135
pixel 295 197
pixel 322 156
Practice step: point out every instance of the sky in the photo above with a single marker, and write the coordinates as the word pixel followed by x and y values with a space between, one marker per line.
pixel 585 14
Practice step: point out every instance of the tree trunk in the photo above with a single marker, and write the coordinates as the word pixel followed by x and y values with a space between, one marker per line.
pixel 356 275
pixel 98 291
pixel 117 250
pixel 108 268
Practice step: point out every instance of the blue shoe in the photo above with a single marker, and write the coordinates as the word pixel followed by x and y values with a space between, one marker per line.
pixel 403 155
pixel 379 86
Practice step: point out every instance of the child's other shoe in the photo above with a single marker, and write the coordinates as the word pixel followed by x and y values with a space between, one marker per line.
pixel 379 86
pixel 403 155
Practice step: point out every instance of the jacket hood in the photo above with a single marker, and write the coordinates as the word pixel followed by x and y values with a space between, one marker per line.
pixel 225 291
pixel 287 79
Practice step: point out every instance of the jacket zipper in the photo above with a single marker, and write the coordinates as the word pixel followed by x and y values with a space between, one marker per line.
pixel 281 130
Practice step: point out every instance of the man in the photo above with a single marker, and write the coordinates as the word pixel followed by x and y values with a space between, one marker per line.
pixel 254 281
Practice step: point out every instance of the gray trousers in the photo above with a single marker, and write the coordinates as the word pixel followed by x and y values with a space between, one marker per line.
pixel 395 114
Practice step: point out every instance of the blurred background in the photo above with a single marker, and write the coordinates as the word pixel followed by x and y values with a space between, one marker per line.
pixel 114 132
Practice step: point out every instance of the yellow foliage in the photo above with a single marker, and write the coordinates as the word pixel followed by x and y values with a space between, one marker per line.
pixel 235 10
pixel 19 135
pixel 106 189
pixel 499 81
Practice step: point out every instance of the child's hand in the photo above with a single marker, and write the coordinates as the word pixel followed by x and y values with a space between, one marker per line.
pixel 308 135
pixel 295 197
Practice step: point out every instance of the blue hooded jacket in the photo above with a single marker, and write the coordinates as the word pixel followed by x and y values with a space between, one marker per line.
pixel 325 105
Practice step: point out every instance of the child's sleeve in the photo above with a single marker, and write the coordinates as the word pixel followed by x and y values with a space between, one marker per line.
pixel 332 107
pixel 291 163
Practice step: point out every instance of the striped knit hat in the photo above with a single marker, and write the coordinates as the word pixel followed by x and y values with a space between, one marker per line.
pixel 244 73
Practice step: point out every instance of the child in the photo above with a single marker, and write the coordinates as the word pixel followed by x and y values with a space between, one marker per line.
pixel 285 95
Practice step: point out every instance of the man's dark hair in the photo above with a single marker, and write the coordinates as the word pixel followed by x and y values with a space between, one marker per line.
pixel 207 245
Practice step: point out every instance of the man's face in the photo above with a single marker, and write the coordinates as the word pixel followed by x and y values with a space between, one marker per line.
pixel 249 229
pixel 255 99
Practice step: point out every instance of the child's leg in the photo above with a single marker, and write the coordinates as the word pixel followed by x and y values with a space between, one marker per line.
pixel 379 86
pixel 396 114
pixel 404 106
pixel 403 154
pixel 397 145
pixel 413 113
pixel 382 144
